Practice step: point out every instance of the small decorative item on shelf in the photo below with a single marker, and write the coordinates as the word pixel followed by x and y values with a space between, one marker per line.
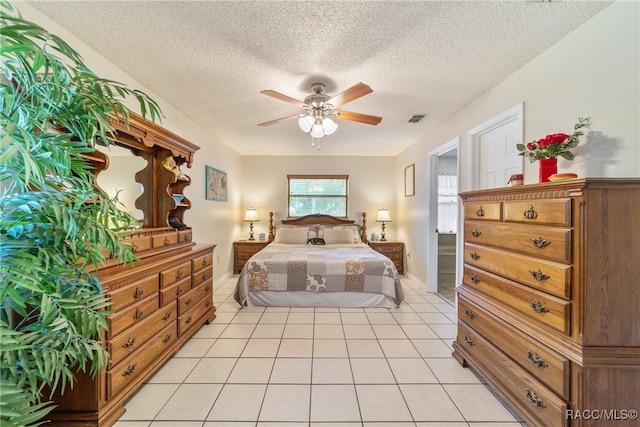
pixel 516 179
pixel 178 197
pixel 548 149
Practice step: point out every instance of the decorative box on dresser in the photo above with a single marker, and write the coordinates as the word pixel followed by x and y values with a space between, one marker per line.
pixel 245 249
pixel 549 307
pixel 392 249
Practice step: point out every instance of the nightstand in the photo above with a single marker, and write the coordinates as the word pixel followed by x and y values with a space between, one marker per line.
pixel 393 250
pixel 243 250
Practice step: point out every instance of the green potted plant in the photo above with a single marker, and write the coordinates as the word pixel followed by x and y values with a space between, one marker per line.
pixel 54 220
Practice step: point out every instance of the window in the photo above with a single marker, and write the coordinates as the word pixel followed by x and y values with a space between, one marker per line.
pixel 313 194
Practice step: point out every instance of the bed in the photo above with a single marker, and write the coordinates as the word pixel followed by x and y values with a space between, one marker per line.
pixel 319 261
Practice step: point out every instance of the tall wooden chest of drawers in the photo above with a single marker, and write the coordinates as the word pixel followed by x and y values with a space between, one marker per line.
pixel 158 303
pixel 549 307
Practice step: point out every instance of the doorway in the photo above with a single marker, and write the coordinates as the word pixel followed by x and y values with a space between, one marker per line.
pixel 443 220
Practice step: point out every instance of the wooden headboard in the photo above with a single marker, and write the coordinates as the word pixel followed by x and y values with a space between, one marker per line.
pixel 321 219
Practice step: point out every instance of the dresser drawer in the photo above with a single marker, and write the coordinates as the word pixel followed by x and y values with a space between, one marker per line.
pixel 201 276
pixel 172 292
pixel 175 274
pixel 136 364
pixel 130 294
pixel 539 306
pixel 483 211
pixel 185 235
pixel 138 244
pixel 523 391
pixel 543 363
pixel 547 242
pixel 202 262
pixel 191 298
pixel 133 315
pixel 547 276
pixel 547 211
pixel 252 248
pixel 164 239
pixel 133 338
pixel 188 320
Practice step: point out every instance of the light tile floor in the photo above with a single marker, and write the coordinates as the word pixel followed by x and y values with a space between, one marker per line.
pixel 295 367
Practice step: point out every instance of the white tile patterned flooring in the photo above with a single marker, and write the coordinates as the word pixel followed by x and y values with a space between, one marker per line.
pixel 323 367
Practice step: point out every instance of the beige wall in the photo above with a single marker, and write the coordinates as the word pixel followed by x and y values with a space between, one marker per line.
pixel 593 72
pixel 371 185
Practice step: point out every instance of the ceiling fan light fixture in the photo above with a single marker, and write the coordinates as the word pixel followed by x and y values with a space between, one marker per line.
pixel 306 123
pixel 329 126
pixel 317 130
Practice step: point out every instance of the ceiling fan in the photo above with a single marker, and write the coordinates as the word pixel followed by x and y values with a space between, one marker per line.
pixel 319 108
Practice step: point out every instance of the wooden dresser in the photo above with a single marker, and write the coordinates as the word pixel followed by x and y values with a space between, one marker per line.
pixel 549 307
pixel 245 249
pixel 392 249
pixel 158 304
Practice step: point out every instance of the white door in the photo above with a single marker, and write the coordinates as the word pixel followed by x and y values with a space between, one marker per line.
pixel 495 157
pixel 499 158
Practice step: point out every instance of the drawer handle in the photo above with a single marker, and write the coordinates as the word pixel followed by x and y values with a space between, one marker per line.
pixel 179 291
pixel 187 237
pixel 530 213
pixel 188 301
pixel 139 314
pixel 540 243
pixel 186 322
pixel 166 338
pixel 139 292
pixel 475 232
pixel 538 275
pixel 166 316
pixel 468 340
pixel 130 342
pixel 204 262
pixel 538 307
pixel 535 359
pixel 167 241
pixel 204 275
pixel 474 256
pixel 207 304
pixel 134 248
pixel 474 278
pixel 480 212
pixel 207 288
pixel 470 314
pixel 533 398
pixel 130 370
pixel 179 274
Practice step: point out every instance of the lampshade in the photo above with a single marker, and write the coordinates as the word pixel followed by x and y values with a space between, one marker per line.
pixel 251 215
pixel 329 126
pixel 305 123
pixel 383 215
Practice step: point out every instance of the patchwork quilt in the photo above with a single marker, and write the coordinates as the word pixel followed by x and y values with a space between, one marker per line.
pixel 319 269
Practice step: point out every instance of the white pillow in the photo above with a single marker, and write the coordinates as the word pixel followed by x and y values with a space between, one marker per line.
pixel 338 235
pixel 292 235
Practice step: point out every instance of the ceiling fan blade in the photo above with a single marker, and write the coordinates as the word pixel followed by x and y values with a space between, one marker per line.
pixel 285 98
pixel 354 92
pixel 357 117
pixel 283 119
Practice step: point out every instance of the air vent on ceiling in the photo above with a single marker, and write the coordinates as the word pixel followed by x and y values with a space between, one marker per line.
pixel 416 118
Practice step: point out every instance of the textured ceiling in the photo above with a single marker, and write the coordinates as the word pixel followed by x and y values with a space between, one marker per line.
pixel 211 59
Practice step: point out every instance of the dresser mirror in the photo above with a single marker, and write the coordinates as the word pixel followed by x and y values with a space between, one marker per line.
pixel 119 178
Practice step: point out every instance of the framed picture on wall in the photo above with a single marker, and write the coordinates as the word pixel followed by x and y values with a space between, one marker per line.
pixel 409 180
pixel 216 181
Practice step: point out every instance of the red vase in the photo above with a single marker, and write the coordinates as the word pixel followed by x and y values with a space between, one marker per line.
pixel 547 168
